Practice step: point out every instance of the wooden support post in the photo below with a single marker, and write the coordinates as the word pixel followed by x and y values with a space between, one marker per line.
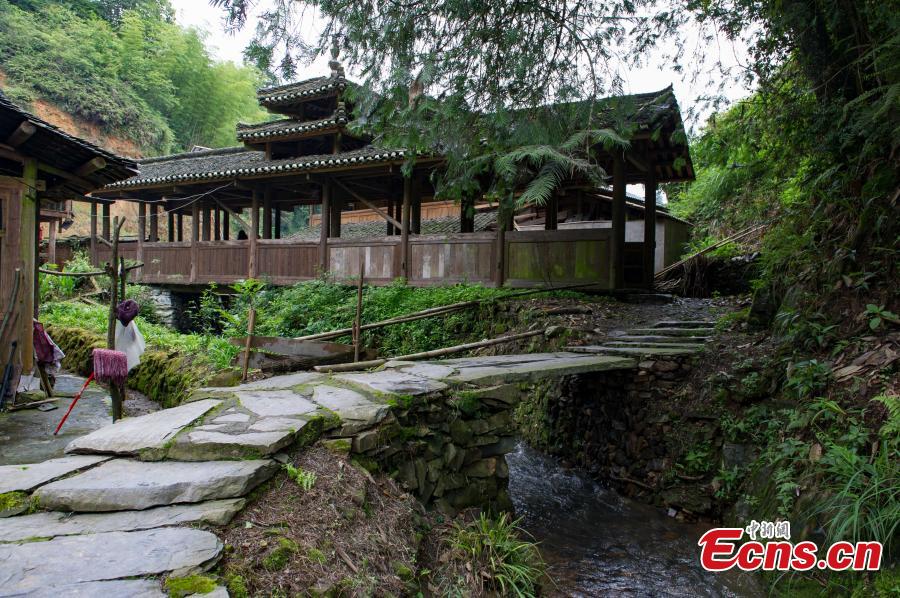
pixel 154 223
pixel 180 233
pixel 404 227
pixel 226 226
pixel 195 238
pixel 415 224
pixel 94 233
pixel 53 228
pixel 217 223
pixel 207 223
pixel 254 232
pixel 116 393
pixel 277 232
pixel 650 227
pixel 617 249
pixel 27 243
pixel 504 223
pixel 390 212
pixel 170 227
pixel 267 214
pixel 335 219
pixel 106 221
pixel 325 225
pixel 142 232
pixel 551 213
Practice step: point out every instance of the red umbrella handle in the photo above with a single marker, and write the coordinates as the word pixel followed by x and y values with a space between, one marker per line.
pixel 75 400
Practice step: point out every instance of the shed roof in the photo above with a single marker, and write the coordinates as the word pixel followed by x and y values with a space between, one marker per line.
pixel 56 149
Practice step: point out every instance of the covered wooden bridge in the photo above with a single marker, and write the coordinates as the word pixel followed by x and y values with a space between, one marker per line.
pixel 216 215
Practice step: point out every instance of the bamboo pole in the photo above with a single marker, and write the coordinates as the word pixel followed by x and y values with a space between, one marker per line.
pixel 357 321
pixel 251 325
pixel 364 365
pixel 739 235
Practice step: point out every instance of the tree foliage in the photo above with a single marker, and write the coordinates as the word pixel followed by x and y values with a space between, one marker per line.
pixel 128 67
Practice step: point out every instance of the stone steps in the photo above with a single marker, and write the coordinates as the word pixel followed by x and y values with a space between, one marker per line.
pixel 636 351
pixel 672 331
pixel 684 324
pixel 652 344
pixel 658 339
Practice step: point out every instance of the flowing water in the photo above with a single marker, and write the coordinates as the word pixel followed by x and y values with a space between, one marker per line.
pixel 598 543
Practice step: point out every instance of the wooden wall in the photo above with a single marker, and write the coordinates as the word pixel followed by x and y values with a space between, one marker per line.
pixel 555 257
pixel 10 259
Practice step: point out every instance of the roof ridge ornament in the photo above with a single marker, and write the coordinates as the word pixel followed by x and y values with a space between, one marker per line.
pixel 337 69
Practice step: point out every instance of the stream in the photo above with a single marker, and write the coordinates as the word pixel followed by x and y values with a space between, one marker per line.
pixel 598 543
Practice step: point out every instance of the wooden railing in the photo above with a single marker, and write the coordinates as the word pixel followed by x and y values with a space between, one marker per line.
pixel 531 258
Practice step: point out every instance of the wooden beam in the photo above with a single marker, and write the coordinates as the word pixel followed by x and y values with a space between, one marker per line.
pixel 649 228
pixel 195 239
pixel 105 222
pixel 367 203
pixel 236 216
pixel 142 232
pixel 415 217
pixel 170 227
pixel 179 218
pixel 217 224
pixel 90 167
pixel 207 223
pixel 154 223
pixel 267 213
pixel 28 249
pixel 226 226
pixel 617 249
pixel 22 134
pixel 277 231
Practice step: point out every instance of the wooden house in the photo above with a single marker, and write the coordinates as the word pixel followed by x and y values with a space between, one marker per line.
pixel 189 204
pixel 43 168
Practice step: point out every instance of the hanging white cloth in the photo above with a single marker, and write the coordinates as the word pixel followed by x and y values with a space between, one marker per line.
pixel 130 341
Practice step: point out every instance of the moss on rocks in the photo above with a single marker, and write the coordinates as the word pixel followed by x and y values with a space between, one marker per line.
pixel 179 587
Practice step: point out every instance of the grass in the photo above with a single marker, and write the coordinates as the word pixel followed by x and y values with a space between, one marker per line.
pixel 305 479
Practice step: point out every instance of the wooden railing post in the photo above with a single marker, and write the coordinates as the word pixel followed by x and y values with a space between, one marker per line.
pixel 254 232
pixel 207 223
pixel 170 228
pixel 267 214
pixel 504 222
pixel 142 234
pixel 154 223
pixel 195 239
pixel 325 224
pixel 94 256
pixel 106 222
pixel 404 228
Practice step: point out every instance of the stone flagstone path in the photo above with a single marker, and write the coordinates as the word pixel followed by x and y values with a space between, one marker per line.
pixel 123 508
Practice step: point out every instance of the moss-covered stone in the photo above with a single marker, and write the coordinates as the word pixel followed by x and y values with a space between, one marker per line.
pixel 13 503
pixel 179 587
pixel 280 555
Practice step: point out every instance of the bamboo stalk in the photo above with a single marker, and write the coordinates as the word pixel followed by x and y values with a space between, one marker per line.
pixel 739 235
pixel 364 365
pixel 436 311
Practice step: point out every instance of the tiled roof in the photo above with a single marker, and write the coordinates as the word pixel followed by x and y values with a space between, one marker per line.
pixel 292 92
pixel 221 164
pixel 367 230
pixel 289 126
pixel 53 146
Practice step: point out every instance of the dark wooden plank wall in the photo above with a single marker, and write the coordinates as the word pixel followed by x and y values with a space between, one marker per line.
pixel 166 263
pixel 10 259
pixel 222 261
pixel 285 262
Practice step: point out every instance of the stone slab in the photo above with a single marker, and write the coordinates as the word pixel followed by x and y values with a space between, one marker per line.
pixel 657 339
pixel 51 524
pixel 684 324
pixel 637 351
pixel 72 560
pixel 118 588
pixel 357 413
pixel 275 424
pixel 201 445
pixel 281 382
pixel 425 370
pixel 392 381
pixel 494 370
pixel 652 344
pixel 672 331
pixel 232 418
pixel 147 434
pixel 123 484
pixel 25 478
pixel 275 403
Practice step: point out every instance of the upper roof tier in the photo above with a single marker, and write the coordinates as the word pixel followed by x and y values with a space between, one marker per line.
pixel 292 95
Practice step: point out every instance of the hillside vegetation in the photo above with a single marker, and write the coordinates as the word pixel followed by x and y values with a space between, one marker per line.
pixel 127 67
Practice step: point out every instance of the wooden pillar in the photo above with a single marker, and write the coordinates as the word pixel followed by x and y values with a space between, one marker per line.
pixel 404 229
pixel 195 238
pixel 142 232
pixel 207 223
pixel 390 211
pixel 154 223
pixel 94 256
pixel 226 225
pixel 650 226
pixel 551 213
pixel 53 228
pixel 325 224
pixel 267 214
pixel 415 224
pixel 334 219
pixel 217 223
pixel 617 249
pixel 27 244
pixel 180 235
pixel 277 231
pixel 504 223
pixel 170 227
pixel 106 233
pixel 467 215
pixel 254 232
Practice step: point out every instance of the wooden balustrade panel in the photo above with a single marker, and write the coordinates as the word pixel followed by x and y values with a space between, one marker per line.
pixel 380 255
pixel 222 261
pixel 167 263
pixel 449 259
pixel 287 262
pixel 548 258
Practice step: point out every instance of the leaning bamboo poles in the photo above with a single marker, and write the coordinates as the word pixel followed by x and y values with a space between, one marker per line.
pixel 735 237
